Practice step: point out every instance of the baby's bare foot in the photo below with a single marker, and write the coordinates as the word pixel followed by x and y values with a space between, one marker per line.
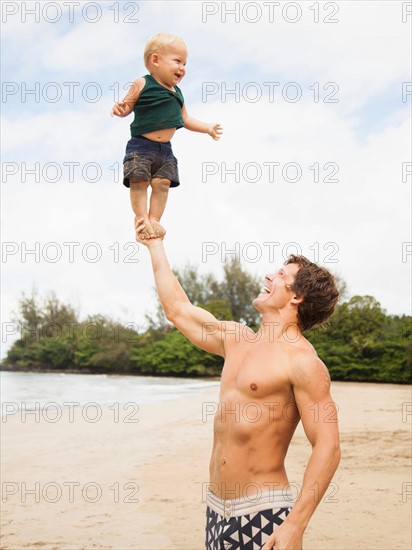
pixel 159 230
pixel 147 232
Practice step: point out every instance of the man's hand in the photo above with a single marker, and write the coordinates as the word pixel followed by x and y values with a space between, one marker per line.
pixel 285 538
pixel 215 131
pixel 139 225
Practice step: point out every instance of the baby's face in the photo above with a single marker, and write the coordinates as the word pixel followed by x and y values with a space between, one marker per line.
pixel 169 67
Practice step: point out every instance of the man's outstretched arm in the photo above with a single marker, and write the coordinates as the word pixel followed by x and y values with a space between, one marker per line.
pixel 197 324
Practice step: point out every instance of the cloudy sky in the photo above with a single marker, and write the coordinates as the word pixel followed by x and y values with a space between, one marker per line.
pixel 315 100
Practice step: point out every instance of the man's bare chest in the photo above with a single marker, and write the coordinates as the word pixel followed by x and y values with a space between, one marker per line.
pixel 256 371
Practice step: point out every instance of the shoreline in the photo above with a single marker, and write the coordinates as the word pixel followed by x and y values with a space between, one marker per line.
pixel 177 376
pixel 100 372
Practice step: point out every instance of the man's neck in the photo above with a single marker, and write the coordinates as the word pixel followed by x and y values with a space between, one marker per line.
pixel 277 327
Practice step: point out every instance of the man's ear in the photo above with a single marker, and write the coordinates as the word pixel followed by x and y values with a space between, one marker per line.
pixel 296 300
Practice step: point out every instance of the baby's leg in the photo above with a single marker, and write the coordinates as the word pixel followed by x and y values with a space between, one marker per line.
pixel 158 199
pixel 138 198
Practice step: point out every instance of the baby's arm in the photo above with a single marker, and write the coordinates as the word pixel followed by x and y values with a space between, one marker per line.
pixel 191 123
pixel 125 107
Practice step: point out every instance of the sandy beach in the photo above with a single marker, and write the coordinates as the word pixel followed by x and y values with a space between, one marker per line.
pixel 135 478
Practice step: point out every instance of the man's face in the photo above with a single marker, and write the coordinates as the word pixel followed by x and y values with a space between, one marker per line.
pixel 277 290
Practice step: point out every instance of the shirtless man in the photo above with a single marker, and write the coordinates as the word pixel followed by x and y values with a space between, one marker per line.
pixel 270 381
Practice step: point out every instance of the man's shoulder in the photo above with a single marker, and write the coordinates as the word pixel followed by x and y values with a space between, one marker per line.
pixel 233 327
pixel 235 331
pixel 307 367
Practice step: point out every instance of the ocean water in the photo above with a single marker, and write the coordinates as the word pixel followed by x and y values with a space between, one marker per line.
pixel 30 390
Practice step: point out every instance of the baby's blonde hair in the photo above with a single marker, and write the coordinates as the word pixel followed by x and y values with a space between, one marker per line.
pixel 158 43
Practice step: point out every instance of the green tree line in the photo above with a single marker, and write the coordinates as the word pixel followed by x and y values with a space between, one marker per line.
pixel 360 342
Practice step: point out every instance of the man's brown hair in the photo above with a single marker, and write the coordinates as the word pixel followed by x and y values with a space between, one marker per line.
pixel 317 286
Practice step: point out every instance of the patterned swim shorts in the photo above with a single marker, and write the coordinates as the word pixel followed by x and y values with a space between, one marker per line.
pixel 245 523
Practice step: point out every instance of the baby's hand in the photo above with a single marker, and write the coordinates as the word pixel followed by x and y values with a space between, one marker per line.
pixel 119 108
pixel 215 131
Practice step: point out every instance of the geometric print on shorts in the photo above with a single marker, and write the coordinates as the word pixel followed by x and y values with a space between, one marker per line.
pixel 249 532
